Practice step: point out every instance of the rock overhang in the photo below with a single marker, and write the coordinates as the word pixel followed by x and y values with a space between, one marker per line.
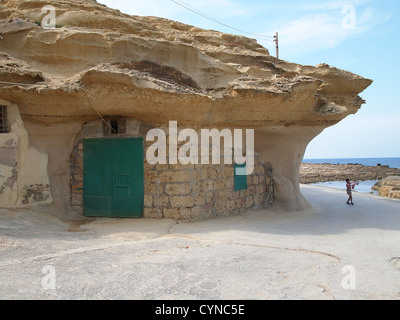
pixel 231 79
pixel 101 61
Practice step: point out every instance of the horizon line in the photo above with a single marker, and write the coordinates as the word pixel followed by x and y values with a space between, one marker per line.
pixel 398 157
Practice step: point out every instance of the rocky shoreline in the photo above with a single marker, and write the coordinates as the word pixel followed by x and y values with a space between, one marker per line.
pixel 324 172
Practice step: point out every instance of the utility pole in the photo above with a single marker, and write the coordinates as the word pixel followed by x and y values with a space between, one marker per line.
pixel 277 45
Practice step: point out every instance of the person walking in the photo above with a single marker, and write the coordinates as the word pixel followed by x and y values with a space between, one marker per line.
pixel 349 187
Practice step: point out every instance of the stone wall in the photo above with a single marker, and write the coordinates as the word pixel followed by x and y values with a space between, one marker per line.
pixel 76 170
pixel 195 192
pixel 184 192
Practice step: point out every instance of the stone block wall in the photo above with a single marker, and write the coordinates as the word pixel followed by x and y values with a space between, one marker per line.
pixel 76 171
pixel 187 192
pixel 195 192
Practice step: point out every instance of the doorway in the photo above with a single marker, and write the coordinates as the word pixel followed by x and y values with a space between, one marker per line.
pixel 113 179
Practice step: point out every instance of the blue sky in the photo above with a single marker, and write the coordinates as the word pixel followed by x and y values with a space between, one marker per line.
pixel 361 36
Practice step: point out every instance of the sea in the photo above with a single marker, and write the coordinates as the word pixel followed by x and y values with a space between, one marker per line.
pixel 364 186
pixel 391 162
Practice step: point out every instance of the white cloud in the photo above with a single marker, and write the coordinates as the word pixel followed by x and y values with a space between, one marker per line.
pixel 321 30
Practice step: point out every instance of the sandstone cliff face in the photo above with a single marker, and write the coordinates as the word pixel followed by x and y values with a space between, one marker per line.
pixel 101 61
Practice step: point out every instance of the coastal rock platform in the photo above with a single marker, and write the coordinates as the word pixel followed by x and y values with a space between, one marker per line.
pixel 324 172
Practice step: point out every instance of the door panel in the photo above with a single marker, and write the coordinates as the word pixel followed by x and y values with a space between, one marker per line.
pixel 113 177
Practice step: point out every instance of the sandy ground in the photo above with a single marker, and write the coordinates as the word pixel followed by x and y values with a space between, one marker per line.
pixel 334 251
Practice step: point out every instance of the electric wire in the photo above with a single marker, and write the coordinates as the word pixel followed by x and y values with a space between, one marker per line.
pixel 94 108
pixel 190 8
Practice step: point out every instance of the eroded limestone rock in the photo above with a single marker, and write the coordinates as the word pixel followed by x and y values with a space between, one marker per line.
pixel 389 187
pixel 101 61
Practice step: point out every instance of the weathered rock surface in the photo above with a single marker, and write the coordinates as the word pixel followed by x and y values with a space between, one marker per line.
pixel 156 70
pixel 324 172
pixel 389 187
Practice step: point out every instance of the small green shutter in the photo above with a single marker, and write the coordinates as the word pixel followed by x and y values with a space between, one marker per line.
pixel 240 180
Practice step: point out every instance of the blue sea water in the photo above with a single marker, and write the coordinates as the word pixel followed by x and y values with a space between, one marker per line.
pixel 391 162
pixel 365 186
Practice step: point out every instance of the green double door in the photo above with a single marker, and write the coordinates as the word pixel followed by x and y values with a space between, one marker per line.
pixel 113 183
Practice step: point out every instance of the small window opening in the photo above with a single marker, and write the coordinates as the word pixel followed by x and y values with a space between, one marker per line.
pixel 3 120
pixel 114 126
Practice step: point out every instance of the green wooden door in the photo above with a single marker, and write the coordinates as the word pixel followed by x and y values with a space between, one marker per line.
pixel 113 184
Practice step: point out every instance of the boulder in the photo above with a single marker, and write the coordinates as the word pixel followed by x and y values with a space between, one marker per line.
pixel 388 187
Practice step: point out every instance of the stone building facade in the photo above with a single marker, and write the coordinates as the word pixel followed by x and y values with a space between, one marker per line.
pixel 184 192
pixel 177 191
